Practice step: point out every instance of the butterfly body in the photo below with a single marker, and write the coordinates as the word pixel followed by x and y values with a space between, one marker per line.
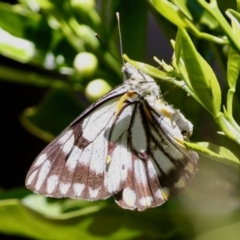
pixel 129 144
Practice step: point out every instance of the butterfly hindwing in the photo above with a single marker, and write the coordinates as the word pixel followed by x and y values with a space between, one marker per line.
pixel 176 165
pixel 141 188
pixel 160 166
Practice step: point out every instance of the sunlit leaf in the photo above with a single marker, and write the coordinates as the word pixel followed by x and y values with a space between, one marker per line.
pixel 200 76
pixel 217 153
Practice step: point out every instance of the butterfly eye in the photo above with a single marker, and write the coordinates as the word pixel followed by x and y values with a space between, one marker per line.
pixel 128 72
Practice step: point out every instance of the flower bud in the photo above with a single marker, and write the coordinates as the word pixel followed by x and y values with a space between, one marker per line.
pixel 96 89
pixel 85 64
pixel 83 5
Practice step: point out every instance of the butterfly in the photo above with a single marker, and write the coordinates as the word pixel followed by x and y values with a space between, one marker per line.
pixel 129 145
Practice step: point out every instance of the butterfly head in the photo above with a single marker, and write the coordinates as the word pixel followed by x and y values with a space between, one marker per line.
pixel 140 82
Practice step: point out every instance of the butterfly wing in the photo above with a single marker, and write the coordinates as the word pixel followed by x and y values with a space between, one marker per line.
pixel 141 188
pixel 73 165
pixel 159 165
pixel 126 145
pixel 176 165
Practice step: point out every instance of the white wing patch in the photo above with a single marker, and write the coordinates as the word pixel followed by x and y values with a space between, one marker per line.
pixel 78 189
pixel 67 141
pixel 139 138
pixel 99 119
pixel 39 161
pixel 140 172
pixel 30 178
pixel 129 197
pixel 165 164
pixel 85 156
pixel 73 158
pixel 52 183
pixel 94 192
pixel 43 172
pixel 146 201
pixel 64 187
pixel 98 154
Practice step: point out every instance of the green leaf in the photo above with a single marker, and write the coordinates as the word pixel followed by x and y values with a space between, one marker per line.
pixel 168 75
pixel 172 13
pixel 235 19
pixel 179 15
pixel 44 4
pixel 16 48
pixel 19 220
pixel 215 152
pixel 213 10
pixel 233 66
pixel 196 13
pixel 20 76
pixel 200 77
pixel 229 126
pixel 154 72
pixel 58 108
pixel 233 69
pixel 61 209
pixel 22 40
pixel 19 18
pixel 94 220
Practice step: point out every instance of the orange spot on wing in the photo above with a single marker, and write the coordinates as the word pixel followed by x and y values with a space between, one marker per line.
pixel 147 112
pixel 129 95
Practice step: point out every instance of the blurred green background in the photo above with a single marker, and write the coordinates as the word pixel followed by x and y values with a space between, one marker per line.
pixel 45 85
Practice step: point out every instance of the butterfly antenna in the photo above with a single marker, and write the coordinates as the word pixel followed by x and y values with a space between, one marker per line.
pixel 170 90
pixel 100 40
pixel 120 35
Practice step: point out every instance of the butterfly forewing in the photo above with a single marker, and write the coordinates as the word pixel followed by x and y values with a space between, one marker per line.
pixel 128 144
pixel 75 161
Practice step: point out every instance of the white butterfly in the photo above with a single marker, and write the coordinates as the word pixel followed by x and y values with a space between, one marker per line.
pixel 129 144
